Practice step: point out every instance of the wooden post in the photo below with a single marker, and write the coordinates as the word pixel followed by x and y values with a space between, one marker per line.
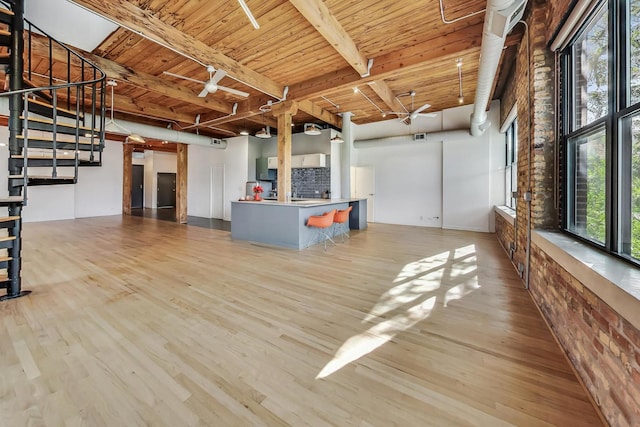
pixel 284 112
pixel 181 185
pixel 127 172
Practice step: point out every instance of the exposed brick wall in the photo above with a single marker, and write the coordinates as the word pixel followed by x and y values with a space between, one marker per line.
pixel 543 212
pixel 508 97
pixel 603 347
pixel 556 13
pixel 504 232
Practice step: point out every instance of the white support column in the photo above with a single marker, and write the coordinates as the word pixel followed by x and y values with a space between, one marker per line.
pixel 347 149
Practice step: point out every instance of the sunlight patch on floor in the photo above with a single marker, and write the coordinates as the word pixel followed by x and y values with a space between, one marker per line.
pixel 449 276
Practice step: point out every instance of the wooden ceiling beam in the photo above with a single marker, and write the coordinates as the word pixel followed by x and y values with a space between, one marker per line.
pixel 382 89
pixel 452 45
pixel 124 104
pixel 328 26
pixel 133 106
pixel 252 116
pixel 319 113
pixel 143 22
pixel 113 70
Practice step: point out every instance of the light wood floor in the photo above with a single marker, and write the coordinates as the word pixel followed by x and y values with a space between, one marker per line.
pixel 141 322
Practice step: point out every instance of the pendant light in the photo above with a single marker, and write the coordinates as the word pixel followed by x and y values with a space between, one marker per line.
pixel 112 126
pixel 337 137
pixel 311 129
pixel 264 133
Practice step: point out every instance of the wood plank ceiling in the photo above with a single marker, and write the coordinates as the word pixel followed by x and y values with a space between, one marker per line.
pixel 317 49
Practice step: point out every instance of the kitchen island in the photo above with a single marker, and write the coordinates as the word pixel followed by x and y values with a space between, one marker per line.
pixel 283 224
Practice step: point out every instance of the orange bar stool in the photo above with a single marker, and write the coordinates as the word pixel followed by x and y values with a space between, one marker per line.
pixel 341 221
pixel 322 224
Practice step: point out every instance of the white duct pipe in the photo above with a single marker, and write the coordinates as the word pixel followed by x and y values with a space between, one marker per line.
pixel 500 18
pixel 154 132
pixel 409 139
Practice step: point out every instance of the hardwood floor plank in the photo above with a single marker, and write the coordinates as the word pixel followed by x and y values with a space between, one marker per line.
pixel 134 321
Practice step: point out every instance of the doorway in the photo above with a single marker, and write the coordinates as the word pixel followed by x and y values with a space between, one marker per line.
pixel 166 190
pixel 137 187
pixel 365 186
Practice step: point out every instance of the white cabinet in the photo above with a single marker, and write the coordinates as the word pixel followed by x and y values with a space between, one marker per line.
pixel 318 160
pixel 296 162
pixel 313 161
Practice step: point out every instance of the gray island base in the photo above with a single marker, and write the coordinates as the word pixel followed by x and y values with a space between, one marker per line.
pixel 283 224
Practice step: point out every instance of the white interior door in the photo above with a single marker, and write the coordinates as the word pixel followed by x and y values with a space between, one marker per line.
pixel 216 209
pixel 365 188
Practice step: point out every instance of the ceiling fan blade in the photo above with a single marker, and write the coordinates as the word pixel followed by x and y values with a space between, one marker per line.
pixel 182 77
pixel 234 91
pixel 219 75
pixel 203 93
pixel 415 113
pixel 427 114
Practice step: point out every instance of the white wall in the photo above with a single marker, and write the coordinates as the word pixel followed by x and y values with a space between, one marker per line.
pixel 98 192
pixel 408 181
pixel 236 159
pixel 108 200
pixel 300 144
pixel 451 181
pixel 199 181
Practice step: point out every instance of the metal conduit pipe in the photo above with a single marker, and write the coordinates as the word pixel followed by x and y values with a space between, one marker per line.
pixel 500 18
pixel 154 132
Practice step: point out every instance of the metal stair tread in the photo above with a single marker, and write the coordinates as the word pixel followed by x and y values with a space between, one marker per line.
pixel 50 122
pixel 11 199
pixel 41 177
pixel 44 156
pixel 48 105
pixel 9 218
pixel 60 140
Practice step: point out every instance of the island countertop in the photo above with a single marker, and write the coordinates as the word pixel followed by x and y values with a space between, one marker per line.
pixel 301 202
pixel 284 224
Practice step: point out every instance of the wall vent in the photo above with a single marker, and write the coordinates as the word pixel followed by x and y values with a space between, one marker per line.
pixel 218 142
pixel 419 136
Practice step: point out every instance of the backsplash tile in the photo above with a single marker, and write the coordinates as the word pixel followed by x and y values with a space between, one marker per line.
pixel 306 181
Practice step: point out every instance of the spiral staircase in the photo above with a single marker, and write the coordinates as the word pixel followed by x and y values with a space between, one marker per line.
pixel 56 124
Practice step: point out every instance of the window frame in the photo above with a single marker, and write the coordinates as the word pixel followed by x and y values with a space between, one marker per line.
pixel 618 176
pixel 511 163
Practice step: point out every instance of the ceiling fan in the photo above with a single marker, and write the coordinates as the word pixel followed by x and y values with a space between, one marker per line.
pixel 414 113
pixel 211 85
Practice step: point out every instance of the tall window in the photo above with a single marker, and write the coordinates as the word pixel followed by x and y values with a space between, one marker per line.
pixel 511 164
pixel 601 129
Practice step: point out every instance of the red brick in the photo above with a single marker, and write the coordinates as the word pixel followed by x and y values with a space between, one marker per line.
pixel 598 345
pixel 620 341
pixel 602 322
pixel 591 298
pixel 608 313
pixel 631 333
